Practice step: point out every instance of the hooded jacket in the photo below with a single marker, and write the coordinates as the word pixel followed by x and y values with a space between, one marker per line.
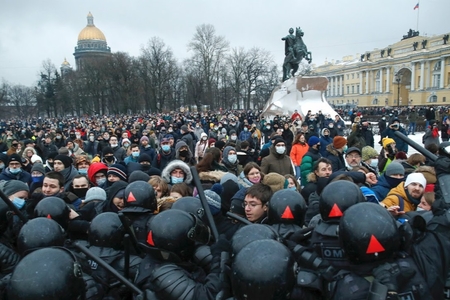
pixel 189 159
pixel 324 142
pixel 336 158
pixel 232 168
pixel 393 198
pixel 278 163
pixel 307 163
pixel 94 169
pixel 176 164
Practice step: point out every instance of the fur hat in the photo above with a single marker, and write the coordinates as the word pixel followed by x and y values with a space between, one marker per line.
pixel 275 181
pixel 339 142
pixel 428 172
pixel 118 170
pixel 368 152
pixel 165 174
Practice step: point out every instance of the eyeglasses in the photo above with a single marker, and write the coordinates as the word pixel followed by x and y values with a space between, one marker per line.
pixel 251 204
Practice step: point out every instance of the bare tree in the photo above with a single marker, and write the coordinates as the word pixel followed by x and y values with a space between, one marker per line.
pixel 23 99
pixel 208 51
pixel 236 65
pixel 158 70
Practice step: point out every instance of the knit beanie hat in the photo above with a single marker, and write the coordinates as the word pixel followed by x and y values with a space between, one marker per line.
pixel 386 141
pixel 67 161
pixel 228 176
pixel 339 142
pixel 313 141
pixel 230 188
pixel 144 138
pixel 63 151
pixel 219 144
pixel 15 157
pixel 368 152
pixel 95 193
pixel 11 187
pixel 416 177
pixel 107 150
pixel 35 158
pixel 275 181
pixel 211 141
pixel 138 175
pixel 213 198
pixel 52 155
pixel 118 170
pixel 144 157
pixel 395 168
pixel 279 139
pixel 38 167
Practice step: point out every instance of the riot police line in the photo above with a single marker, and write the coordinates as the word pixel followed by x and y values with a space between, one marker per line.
pixel 357 250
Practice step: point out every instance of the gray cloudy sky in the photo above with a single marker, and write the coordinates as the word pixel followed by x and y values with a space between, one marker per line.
pixel 33 31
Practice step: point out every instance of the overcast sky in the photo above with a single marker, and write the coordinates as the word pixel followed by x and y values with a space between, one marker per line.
pixel 33 31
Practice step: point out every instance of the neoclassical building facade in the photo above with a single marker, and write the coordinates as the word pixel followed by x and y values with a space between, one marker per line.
pixel 413 71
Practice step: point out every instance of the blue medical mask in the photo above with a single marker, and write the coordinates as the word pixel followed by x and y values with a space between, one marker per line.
pixel 82 171
pixel 175 180
pixel 15 171
pixel 345 148
pixel 100 181
pixel 18 202
pixel 37 179
pixel 165 148
pixel 280 150
pixel 232 158
pixel 135 154
pixel 294 188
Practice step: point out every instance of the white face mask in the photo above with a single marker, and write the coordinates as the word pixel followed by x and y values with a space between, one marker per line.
pixel 91 138
pixel 114 145
pixel 280 150
pixel 374 162
pixel 420 208
pixel 232 158
pixel 233 137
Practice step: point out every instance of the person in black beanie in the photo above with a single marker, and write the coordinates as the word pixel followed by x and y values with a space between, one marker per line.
pixel 63 165
pixel 49 162
pixel 146 165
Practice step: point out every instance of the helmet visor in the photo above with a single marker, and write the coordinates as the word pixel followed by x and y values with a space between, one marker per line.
pixel 199 232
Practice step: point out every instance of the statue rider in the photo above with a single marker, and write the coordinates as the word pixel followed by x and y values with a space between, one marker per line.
pixel 289 45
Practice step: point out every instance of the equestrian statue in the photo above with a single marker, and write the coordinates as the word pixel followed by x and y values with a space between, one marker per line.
pixel 295 50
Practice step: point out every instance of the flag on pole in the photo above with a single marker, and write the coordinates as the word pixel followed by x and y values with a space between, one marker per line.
pixel 417 6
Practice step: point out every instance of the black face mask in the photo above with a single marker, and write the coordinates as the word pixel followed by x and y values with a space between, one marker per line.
pixel 184 153
pixel 145 167
pixel 81 193
pixel 50 164
pixel 109 158
pixel 72 136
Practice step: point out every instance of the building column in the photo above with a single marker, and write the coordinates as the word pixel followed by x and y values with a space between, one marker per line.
pixel 429 74
pixel 367 81
pixel 441 82
pixel 332 87
pixel 422 72
pixel 361 90
pixel 341 79
pixel 381 81
pixel 388 78
pixel 413 76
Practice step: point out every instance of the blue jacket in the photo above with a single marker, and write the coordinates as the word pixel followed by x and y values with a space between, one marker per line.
pixel 382 188
pixel 23 176
pixel 400 144
pixel 245 135
pixel 324 142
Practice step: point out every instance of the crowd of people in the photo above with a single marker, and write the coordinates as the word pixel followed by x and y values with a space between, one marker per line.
pixel 301 210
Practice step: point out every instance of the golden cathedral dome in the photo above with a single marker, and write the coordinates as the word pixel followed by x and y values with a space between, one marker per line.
pixel 65 62
pixel 90 32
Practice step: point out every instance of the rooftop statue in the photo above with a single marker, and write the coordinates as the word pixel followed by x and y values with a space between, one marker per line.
pixel 295 50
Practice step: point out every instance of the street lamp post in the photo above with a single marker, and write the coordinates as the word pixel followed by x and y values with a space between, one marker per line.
pixel 398 78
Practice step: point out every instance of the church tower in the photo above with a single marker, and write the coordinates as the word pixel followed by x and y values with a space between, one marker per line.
pixel 91 44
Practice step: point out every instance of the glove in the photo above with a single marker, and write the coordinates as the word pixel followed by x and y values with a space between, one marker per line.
pixel 393 276
pixel 301 235
pixel 222 245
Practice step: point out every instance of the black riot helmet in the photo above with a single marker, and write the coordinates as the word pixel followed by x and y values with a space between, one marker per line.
pixel 338 196
pixel 191 205
pixel 39 233
pixel 106 230
pixel 263 269
pixel 47 274
pixel 250 233
pixel 444 149
pixel 53 208
pixel 287 207
pixel 141 194
pixel 177 231
pixel 368 232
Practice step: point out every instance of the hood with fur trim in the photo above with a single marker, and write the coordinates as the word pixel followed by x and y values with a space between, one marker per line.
pixel 176 164
pixel 180 144
pixel 214 176
pixel 332 150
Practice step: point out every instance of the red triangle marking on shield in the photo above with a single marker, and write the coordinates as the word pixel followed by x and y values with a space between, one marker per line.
pixel 131 197
pixel 335 212
pixel 374 246
pixel 150 238
pixel 287 214
pixel 49 217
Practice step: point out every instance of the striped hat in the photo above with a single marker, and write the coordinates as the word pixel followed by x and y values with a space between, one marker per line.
pixel 119 171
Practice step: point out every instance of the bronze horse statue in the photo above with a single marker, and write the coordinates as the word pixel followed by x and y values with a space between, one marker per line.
pixel 296 50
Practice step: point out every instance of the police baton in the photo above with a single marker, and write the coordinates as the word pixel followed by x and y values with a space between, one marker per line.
pixel 239 218
pixel 110 269
pixel 130 232
pixel 205 205
pixel 13 207
pixel 416 146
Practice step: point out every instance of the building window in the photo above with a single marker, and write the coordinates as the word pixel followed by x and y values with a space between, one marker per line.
pixel 377 82
pixel 348 89
pixel 353 89
pixel 432 98
pixel 357 88
pixel 353 75
pixel 375 101
pixel 347 76
pixel 444 99
pixel 357 75
pixel 436 80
